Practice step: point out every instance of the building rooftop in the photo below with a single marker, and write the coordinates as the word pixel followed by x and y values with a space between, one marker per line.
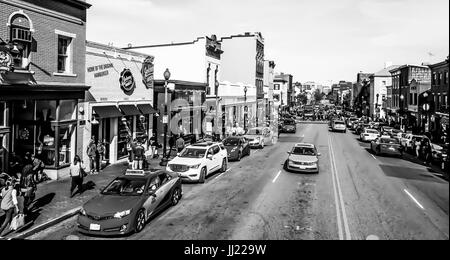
pixel 385 72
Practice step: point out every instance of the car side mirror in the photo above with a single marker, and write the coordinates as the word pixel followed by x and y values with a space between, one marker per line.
pixel 178 154
pixel 319 154
pixel 209 156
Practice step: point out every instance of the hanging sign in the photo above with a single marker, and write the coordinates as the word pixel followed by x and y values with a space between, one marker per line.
pixel 5 61
pixel 147 72
pixel 127 83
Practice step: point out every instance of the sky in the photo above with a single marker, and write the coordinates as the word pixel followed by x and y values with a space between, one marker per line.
pixel 314 40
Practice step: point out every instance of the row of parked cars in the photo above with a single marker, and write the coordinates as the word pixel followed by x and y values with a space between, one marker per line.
pixel 129 201
pixel 387 140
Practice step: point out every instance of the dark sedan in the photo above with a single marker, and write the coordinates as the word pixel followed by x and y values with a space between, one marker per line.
pixel 289 126
pixel 128 202
pixel 237 147
pixel 388 146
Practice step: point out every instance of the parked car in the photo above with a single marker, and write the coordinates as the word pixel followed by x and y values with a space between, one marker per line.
pixel 237 147
pixel 128 202
pixel 396 133
pixel 303 158
pixel 386 145
pixel 198 161
pixel 369 135
pixel 259 137
pixel 338 126
pixel 439 153
pixel 351 121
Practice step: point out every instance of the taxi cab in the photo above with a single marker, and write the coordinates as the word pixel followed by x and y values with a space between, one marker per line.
pixel 127 203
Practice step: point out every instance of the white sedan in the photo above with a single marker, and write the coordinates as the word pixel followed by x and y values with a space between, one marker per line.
pixel 369 135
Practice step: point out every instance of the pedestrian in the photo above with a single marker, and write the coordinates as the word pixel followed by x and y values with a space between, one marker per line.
pixel 92 154
pixel 417 146
pixel 180 143
pixel 138 153
pixel 9 203
pixel 427 153
pixel 77 174
pixel 172 142
pixel 27 189
pixel 38 168
pixel 153 144
pixel 101 149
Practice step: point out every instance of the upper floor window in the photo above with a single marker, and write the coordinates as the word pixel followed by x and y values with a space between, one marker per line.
pixel 2 114
pixel 64 54
pixel 446 77
pixel 276 86
pixel 439 78
pixel 433 79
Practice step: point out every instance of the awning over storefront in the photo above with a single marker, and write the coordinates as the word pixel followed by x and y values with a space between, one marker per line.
pixel 57 91
pixel 130 110
pixel 107 111
pixel 146 109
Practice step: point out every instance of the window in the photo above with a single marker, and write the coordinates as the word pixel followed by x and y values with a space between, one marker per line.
pixel 2 114
pixel 216 150
pixel 439 77
pixel 276 87
pixel 64 54
pixel 415 98
pixel 384 82
pixel 446 77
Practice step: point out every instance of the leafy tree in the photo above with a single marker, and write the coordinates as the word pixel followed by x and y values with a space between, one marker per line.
pixel 302 98
pixel 318 95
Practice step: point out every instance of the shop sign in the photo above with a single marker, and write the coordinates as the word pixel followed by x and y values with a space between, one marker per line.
pixel 147 72
pixel 5 61
pixel 127 83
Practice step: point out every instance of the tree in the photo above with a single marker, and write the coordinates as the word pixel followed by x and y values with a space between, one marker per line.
pixel 302 98
pixel 318 95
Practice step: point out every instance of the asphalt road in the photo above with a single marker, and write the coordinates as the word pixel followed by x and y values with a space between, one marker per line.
pixel 356 195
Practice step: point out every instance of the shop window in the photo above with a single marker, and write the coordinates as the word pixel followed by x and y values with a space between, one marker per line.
pixel 67 110
pixel 64 54
pixel 125 128
pixel 2 114
pixel 142 126
pixel 65 137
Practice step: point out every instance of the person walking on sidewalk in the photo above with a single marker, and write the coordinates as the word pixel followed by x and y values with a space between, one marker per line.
pixel 101 148
pixel 77 174
pixel 172 142
pixel 180 144
pixel 138 156
pixel 417 146
pixel 9 204
pixel 92 154
pixel 427 152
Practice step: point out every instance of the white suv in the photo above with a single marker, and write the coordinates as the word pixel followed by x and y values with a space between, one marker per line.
pixel 197 161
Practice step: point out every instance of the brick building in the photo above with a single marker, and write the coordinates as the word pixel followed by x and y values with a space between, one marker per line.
pixel 439 93
pixel 44 42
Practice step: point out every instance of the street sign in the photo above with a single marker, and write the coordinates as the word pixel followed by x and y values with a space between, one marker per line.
pixel 165 119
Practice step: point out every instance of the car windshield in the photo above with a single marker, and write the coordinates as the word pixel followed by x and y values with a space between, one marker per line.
pixel 193 153
pixel 254 132
pixel 372 131
pixel 339 123
pixel 389 141
pixel 289 122
pixel 303 151
pixel 125 187
pixel 231 142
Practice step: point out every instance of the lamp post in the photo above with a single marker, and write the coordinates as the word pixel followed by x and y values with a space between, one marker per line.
pixel 426 108
pixel 402 97
pixel 216 120
pixel 245 108
pixel 165 118
pixel 376 106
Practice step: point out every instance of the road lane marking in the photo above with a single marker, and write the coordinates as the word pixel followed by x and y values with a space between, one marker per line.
pixel 374 157
pixel 335 173
pixel 414 199
pixel 276 177
pixel 338 214
pixel 220 175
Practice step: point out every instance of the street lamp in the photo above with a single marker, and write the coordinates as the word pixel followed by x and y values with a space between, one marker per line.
pixel 402 97
pixel 165 119
pixel 376 106
pixel 216 120
pixel 245 108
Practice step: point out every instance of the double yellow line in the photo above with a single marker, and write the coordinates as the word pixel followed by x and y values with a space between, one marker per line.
pixel 341 215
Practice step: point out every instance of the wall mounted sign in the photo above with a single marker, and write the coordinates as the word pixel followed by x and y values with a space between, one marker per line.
pixel 127 83
pixel 147 72
pixel 5 61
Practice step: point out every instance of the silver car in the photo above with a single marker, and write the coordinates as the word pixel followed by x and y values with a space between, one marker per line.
pixel 303 158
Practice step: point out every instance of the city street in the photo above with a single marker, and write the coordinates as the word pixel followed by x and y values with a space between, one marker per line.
pixel 356 195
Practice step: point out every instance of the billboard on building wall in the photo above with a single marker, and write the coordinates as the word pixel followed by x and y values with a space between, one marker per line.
pixel 147 72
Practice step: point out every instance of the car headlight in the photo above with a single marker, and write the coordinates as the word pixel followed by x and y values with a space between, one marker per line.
pixel 234 149
pixel 83 212
pixel 194 166
pixel 122 214
pixel 258 139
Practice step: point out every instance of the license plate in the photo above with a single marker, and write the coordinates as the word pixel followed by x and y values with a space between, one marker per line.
pixel 392 148
pixel 94 227
pixel 302 168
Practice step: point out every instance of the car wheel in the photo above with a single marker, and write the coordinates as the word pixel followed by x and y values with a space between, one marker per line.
pixel 378 151
pixel 202 175
pixel 249 151
pixel 239 157
pixel 285 166
pixel 140 221
pixel 176 195
pixel 262 145
pixel 224 165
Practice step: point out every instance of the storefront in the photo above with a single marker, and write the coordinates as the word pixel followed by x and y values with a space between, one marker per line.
pixel 119 105
pixel 39 120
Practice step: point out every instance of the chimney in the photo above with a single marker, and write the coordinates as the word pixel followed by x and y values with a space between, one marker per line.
pixel 387 64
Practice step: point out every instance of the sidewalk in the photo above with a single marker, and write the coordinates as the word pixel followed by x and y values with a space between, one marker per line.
pixel 53 198
pixel 433 168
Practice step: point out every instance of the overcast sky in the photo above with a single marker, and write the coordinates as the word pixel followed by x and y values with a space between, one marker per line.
pixel 315 40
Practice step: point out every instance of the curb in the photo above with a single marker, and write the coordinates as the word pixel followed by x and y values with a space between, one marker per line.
pixel 47 224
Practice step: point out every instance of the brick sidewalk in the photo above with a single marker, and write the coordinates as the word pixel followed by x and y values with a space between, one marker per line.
pixel 53 198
